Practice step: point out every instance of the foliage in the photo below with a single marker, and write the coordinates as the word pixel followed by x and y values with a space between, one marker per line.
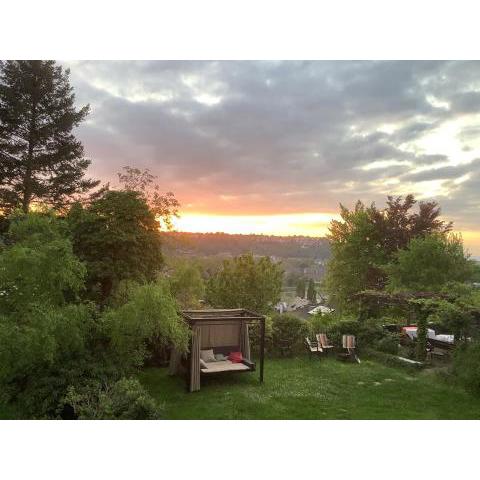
pixel 125 399
pixel 244 282
pixel 368 333
pixel 288 332
pixel 355 255
pixel 311 291
pixel 42 350
pixel 42 161
pixel 466 366
pixel 254 335
pixel 38 267
pixel 164 207
pixel 300 288
pixel 388 344
pixel 149 317
pixel 118 238
pixel 366 239
pixel 322 323
pixel 186 283
pixel 428 263
pixel 421 341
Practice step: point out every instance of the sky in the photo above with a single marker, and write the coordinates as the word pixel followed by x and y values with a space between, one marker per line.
pixel 274 147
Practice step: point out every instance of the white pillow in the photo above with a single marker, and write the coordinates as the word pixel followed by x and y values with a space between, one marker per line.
pixel 203 364
pixel 207 355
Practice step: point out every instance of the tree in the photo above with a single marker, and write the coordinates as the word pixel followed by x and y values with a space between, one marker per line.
pixel 38 267
pixel 118 238
pixel 186 284
pixel 429 263
pixel 356 256
pixel 366 239
pixel 164 207
pixel 245 283
pixel 149 317
pixel 41 160
pixel 311 292
pixel 300 288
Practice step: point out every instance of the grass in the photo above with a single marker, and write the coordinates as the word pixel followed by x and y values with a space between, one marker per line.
pixel 300 388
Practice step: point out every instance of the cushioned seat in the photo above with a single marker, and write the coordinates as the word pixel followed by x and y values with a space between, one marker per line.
pixel 224 366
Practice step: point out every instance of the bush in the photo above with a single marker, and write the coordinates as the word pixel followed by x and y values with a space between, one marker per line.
pixel 388 344
pixel 148 318
pixel 368 333
pixel 466 366
pixel 254 334
pixel 125 399
pixel 288 333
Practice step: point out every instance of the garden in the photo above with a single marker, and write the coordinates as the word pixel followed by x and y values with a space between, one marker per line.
pixel 91 308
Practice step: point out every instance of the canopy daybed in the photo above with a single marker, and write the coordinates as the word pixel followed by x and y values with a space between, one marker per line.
pixel 223 331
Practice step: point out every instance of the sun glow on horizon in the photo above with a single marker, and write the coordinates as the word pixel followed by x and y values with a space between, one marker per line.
pixel 308 224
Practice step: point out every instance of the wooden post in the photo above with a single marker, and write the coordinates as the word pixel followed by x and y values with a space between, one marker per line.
pixel 262 346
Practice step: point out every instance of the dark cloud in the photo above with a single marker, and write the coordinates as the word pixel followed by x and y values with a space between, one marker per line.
pixel 281 136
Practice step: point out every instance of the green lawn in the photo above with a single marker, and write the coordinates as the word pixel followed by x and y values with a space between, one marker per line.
pixel 301 388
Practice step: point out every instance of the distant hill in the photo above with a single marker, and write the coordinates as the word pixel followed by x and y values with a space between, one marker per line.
pixel 207 244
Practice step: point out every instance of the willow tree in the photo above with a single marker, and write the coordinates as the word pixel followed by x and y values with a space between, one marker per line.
pixel 40 158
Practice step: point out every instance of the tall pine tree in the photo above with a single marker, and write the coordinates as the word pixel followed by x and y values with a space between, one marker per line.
pixel 41 161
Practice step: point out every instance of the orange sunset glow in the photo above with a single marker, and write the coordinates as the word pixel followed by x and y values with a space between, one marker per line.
pixel 274 147
pixel 308 224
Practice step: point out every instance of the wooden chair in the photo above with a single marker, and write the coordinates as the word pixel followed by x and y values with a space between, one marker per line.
pixel 323 342
pixel 313 347
pixel 348 344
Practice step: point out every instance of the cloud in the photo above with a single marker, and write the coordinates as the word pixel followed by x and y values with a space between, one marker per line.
pixel 285 137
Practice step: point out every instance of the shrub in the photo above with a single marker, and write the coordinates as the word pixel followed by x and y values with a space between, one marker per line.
pixel 254 334
pixel 125 399
pixel 288 332
pixel 466 366
pixel 148 318
pixel 388 344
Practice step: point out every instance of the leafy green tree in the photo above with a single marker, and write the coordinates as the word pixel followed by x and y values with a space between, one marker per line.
pixel 366 239
pixel 118 238
pixel 186 283
pixel 39 266
pixel 356 256
pixel 429 263
pixel 311 292
pixel 149 317
pixel 44 332
pixel 244 282
pixel 41 159
pixel 300 288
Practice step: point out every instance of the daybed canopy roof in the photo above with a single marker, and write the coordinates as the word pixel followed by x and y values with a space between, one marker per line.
pixel 221 315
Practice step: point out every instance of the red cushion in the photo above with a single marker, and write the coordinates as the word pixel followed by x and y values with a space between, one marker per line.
pixel 235 357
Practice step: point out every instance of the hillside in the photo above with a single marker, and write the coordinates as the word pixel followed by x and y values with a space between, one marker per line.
pixel 206 244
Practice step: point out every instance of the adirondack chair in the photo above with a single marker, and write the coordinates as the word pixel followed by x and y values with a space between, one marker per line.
pixel 313 347
pixel 323 342
pixel 348 344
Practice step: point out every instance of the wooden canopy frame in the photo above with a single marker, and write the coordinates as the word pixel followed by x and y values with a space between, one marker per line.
pixel 214 317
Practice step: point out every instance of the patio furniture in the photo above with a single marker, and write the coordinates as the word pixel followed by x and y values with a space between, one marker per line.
pixel 223 332
pixel 313 347
pixel 348 344
pixel 324 343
